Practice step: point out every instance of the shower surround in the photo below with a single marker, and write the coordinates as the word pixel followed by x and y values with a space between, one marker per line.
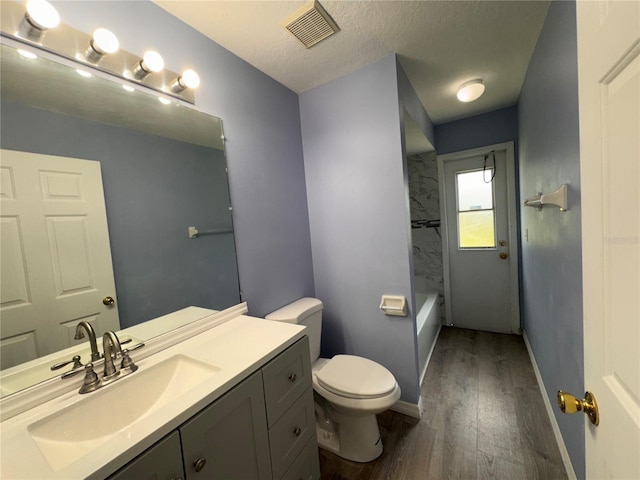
pixel 425 205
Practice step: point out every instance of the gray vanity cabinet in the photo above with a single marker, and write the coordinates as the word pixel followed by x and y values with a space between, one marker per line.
pixel 163 461
pixel 261 429
pixel 228 440
pixel 290 414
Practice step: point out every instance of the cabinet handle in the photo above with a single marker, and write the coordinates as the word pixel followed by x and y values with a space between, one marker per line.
pixel 297 431
pixel 199 464
pixel 292 377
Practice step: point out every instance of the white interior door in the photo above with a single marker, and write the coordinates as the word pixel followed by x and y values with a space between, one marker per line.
pixel 56 259
pixel 480 251
pixel 609 88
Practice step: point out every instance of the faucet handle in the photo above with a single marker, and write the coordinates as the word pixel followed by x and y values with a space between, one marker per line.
pixel 91 381
pixel 127 363
pixel 75 360
pixel 135 347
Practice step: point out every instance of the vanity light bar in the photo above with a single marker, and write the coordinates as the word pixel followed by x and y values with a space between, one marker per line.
pixel 101 50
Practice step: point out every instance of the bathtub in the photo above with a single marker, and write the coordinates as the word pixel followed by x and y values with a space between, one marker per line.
pixel 428 321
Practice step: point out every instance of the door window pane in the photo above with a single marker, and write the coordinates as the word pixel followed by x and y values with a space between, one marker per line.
pixel 476 223
pixel 473 192
pixel 476 229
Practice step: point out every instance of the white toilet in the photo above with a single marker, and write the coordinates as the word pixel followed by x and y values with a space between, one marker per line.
pixel 349 391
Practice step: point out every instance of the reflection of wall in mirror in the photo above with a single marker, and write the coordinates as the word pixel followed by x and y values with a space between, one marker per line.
pixel 155 188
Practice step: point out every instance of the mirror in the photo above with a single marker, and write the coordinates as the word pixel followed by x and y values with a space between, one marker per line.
pixel 163 170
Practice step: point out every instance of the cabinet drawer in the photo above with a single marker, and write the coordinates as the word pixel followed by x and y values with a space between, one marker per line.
pixel 285 378
pixel 291 433
pixel 307 465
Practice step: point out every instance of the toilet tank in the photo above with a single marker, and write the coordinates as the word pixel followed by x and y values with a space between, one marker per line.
pixel 305 311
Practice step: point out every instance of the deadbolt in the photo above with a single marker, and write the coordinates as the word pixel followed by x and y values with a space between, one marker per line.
pixel 503 256
pixel 108 300
pixel 570 404
pixel 503 243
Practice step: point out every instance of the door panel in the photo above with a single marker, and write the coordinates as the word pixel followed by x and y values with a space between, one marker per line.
pixel 609 90
pixel 478 238
pixel 52 210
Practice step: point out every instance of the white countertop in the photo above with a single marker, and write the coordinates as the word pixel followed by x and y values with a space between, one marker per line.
pixel 237 348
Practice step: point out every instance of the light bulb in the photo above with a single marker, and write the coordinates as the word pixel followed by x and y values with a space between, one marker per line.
pixel 42 14
pixel 39 17
pixel 190 79
pixel 104 41
pixel 470 91
pixel 152 61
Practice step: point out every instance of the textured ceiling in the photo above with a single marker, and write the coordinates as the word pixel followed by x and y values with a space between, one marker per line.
pixel 441 44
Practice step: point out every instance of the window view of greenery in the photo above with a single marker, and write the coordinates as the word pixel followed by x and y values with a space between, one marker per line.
pixel 476 225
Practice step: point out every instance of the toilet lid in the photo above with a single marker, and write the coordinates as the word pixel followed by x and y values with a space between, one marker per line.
pixel 356 377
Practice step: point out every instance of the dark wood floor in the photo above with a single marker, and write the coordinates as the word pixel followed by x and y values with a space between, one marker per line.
pixel 482 418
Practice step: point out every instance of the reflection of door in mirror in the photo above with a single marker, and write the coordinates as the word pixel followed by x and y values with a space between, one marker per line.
pixel 56 259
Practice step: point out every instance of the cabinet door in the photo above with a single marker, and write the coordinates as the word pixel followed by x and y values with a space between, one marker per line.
pixel 228 439
pixel 163 461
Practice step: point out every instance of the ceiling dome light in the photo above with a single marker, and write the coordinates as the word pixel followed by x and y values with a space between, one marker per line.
pixel 102 43
pixel 188 79
pixel 39 17
pixel 151 62
pixel 470 91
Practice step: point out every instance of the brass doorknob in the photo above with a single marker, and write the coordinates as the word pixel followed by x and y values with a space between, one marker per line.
pixel 570 404
pixel 108 300
pixel 503 256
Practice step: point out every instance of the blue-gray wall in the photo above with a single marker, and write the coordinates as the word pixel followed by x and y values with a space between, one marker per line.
pixel 154 188
pixel 552 264
pixel 263 144
pixel 490 128
pixel 359 216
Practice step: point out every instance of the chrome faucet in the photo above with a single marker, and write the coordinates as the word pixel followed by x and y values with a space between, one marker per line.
pixel 95 354
pixel 111 347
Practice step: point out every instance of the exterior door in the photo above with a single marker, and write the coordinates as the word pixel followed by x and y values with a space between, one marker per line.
pixel 609 93
pixel 479 242
pixel 56 259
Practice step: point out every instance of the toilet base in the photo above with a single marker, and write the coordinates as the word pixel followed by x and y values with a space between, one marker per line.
pixel 356 438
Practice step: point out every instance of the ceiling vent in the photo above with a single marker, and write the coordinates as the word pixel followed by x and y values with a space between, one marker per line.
pixel 310 24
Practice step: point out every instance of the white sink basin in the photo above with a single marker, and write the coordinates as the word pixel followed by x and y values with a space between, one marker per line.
pixel 73 432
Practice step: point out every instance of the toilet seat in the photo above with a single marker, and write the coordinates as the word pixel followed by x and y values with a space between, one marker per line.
pixel 356 377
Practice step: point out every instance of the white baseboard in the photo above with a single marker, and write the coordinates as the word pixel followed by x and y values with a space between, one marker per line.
pixel 406 408
pixel 552 418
